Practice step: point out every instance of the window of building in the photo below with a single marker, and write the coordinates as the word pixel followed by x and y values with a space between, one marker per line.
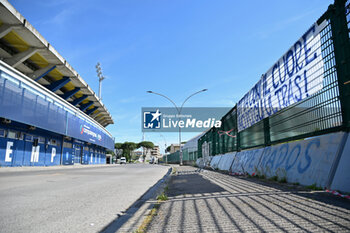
pixel 20 135
pixel 53 142
pixel 12 134
pixel 67 145
pixel 41 140
pixel 29 138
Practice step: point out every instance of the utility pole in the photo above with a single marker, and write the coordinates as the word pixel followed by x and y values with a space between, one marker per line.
pixel 100 79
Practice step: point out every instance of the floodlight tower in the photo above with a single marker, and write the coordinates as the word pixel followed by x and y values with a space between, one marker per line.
pixel 100 78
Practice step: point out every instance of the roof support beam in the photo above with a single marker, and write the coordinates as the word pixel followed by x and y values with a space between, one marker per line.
pixel 58 84
pixel 79 100
pixel 100 117
pixel 95 114
pixel 7 28
pixel 89 111
pixel 83 107
pixel 18 58
pixel 69 94
pixel 103 122
pixel 38 74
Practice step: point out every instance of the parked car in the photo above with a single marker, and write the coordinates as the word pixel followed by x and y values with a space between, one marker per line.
pixel 122 160
pixel 154 160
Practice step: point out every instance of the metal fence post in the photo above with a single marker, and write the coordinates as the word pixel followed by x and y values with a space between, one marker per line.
pixel 340 35
pixel 238 141
pixel 267 136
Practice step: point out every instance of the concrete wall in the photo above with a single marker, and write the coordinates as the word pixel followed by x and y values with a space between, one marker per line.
pixel 341 180
pixel 310 161
pixel 214 163
pixel 307 162
pixel 247 161
pixel 226 161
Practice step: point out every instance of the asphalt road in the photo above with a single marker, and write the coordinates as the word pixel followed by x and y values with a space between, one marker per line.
pixel 84 199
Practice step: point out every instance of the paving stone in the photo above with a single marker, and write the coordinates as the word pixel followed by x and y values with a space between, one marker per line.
pixel 208 201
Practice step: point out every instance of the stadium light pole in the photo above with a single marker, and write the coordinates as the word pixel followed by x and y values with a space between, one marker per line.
pixel 179 112
pixel 100 79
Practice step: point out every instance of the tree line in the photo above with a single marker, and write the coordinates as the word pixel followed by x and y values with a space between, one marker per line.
pixel 128 147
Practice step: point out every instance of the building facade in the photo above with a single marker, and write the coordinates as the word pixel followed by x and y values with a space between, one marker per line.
pixel 48 114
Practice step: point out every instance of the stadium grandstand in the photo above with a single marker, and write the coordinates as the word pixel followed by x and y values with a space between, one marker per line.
pixel 48 114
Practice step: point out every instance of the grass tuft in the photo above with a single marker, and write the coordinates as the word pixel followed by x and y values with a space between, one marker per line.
pixel 147 221
pixel 162 197
pixel 313 187
pixel 283 180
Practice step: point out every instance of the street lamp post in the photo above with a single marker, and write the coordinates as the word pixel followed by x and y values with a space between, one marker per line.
pixel 165 144
pixel 179 112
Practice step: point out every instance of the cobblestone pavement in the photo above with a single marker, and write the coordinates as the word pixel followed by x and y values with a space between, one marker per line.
pixel 207 201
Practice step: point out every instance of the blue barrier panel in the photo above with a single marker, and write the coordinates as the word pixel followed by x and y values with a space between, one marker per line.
pixel 95 157
pixel 38 152
pixel 215 161
pixel 239 161
pixel 247 161
pixel 68 153
pixel 226 161
pixel 67 158
pixel 252 160
pixel 34 151
pixel 98 157
pixel 19 153
pixel 91 156
pixel 341 179
pixel 78 147
pixel 78 154
pixel 28 144
pixel 308 161
pixel 53 152
pixel 7 151
pixel 86 155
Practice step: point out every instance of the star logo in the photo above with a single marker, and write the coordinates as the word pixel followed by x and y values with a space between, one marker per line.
pixel 152 119
pixel 156 115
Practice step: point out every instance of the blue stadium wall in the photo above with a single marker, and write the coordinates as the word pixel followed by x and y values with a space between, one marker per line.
pixel 38 128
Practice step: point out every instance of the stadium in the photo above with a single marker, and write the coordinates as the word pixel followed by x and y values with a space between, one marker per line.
pixel 48 114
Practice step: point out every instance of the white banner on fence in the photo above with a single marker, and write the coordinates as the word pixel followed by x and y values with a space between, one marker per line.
pixel 295 76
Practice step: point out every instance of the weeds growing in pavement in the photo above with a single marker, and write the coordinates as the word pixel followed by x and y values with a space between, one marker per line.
pixel 162 197
pixel 283 180
pixel 314 187
pixel 147 221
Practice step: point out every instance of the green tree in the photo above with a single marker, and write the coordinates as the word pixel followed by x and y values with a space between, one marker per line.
pixel 146 144
pixel 168 149
pixel 118 145
pixel 127 148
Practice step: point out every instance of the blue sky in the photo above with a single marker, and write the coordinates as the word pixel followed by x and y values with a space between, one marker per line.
pixel 173 47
